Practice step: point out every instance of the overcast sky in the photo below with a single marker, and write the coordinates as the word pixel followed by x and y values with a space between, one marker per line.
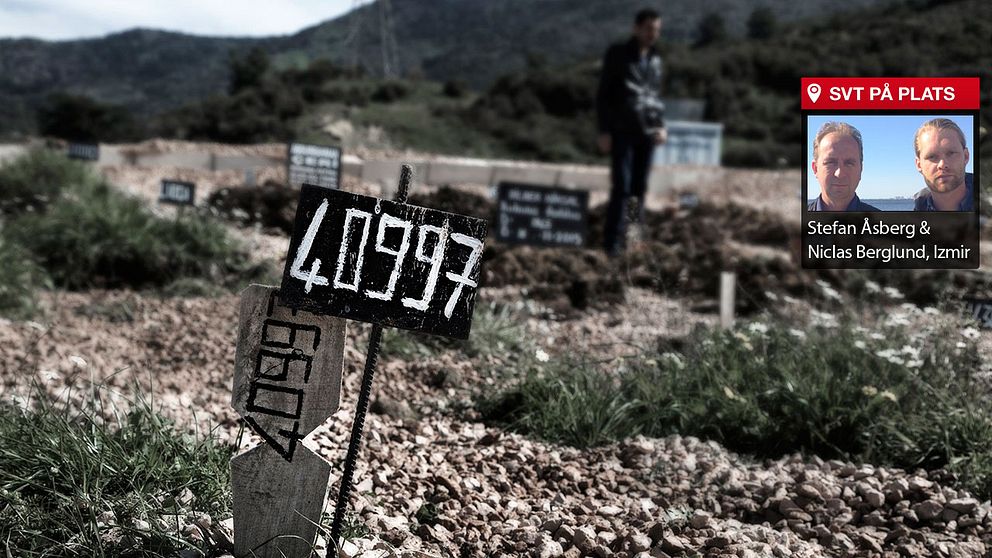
pixel 71 19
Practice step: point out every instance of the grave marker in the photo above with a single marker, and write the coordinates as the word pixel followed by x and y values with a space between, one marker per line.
pixel 540 215
pixel 980 310
pixel 287 381
pixel 313 164
pixel 383 262
pixel 84 151
pixel 387 263
pixel 177 192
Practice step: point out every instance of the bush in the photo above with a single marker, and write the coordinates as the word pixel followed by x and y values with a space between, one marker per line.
pixel 32 181
pixel 772 391
pixel 104 239
pixel 73 485
pixel 95 236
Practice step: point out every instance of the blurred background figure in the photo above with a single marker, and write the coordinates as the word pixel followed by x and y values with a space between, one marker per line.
pixel 631 123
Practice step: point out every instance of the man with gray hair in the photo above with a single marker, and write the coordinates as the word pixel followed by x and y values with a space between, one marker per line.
pixel 941 157
pixel 838 157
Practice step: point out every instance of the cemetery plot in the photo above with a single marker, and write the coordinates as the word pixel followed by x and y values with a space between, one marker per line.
pixel 384 262
pixel 177 192
pixel 313 164
pixel 541 216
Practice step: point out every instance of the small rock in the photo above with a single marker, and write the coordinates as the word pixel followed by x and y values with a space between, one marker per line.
pixel 700 519
pixel 963 505
pixel 928 510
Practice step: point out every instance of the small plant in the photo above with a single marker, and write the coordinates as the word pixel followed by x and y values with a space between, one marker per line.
pixel 72 484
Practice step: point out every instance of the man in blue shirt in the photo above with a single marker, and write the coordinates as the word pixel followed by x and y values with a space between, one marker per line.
pixel 838 157
pixel 941 157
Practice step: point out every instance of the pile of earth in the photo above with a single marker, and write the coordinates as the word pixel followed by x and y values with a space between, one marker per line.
pixel 271 205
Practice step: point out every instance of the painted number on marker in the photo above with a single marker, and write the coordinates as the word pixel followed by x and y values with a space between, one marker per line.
pixel 364 226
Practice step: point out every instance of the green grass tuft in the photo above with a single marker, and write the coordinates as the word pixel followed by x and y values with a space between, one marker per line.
pixel 72 485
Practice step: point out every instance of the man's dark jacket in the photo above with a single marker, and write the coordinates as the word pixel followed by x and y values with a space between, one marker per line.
pixel 628 101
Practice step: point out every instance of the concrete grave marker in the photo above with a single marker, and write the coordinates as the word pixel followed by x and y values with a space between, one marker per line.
pixel 540 215
pixel 177 192
pixel 84 151
pixel 313 164
pixel 287 381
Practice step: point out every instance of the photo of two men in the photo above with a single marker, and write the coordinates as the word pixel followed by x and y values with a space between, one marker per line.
pixel 937 175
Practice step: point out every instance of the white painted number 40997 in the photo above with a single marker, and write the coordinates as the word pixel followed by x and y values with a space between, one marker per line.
pixel 363 219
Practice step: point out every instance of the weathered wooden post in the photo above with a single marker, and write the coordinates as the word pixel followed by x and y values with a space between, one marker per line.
pixel 287 381
pixel 355 257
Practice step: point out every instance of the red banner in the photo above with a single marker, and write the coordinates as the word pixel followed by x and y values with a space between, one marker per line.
pixel 890 93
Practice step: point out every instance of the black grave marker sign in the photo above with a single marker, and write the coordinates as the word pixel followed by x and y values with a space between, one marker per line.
pixel 84 151
pixel 313 164
pixel 980 310
pixel 540 215
pixel 379 261
pixel 177 192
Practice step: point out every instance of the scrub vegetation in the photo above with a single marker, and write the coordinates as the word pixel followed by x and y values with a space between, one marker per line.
pixel 895 397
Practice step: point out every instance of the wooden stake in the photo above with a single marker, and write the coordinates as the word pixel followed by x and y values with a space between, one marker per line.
pixel 728 281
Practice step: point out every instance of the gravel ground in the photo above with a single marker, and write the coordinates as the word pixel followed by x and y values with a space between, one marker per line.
pixel 495 493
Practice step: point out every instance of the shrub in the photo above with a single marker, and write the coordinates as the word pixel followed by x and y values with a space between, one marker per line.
pixel 95 236
pixel 32 181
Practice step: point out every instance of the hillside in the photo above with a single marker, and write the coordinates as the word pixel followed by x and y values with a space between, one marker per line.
pixel 148 71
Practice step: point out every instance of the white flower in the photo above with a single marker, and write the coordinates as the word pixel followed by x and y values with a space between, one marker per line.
pixel 798 334
pixel 877 336
pixel 930 310
pixel 872 287
pixel 757 327
pixel 828 291
pixel 960 345
pixel 970 333
pixel 893 292
pixel 823 319
pixel 675 359
pixel 860 344
pixel 77 361
pixel 770 295
pixel 915 363
pixel 888 395
pixel 790 300
pixel 542 356
pixel 898 319
pixel 890 355
pixel 870 391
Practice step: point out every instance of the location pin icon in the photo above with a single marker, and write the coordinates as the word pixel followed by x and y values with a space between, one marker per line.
pixel 813 91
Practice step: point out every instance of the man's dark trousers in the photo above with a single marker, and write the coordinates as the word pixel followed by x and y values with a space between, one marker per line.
pixel 631 161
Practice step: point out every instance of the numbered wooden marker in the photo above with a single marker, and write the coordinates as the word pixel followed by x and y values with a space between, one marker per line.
pixel 313 164
pixel 383 262
pixel 541 216
pixel 287 381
